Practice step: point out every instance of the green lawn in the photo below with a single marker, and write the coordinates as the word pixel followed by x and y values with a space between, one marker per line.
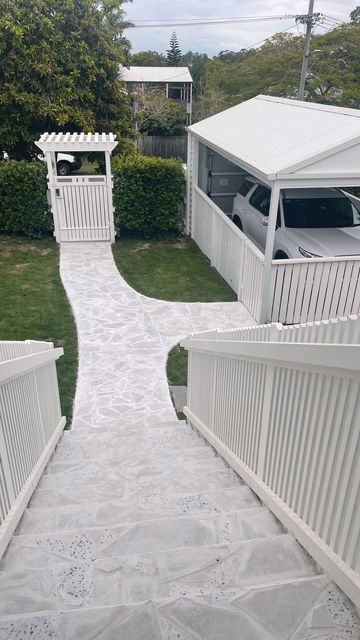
pixel 34 304
pixel 172 269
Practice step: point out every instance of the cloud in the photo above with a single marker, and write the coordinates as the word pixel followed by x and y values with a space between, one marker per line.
pixel 211 39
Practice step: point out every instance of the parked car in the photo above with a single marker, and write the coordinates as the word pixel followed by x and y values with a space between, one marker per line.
pixel 67 163
pixel 310 223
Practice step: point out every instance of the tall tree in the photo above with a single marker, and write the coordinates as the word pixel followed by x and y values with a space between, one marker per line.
pixel 59 69
pixel 355 15
pixel 174 54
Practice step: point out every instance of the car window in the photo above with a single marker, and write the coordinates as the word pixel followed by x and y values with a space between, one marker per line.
pixel 260 199
pixel 245 186
pixel 319 213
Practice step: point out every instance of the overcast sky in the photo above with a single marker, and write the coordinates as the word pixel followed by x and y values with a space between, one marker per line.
pixel 212 39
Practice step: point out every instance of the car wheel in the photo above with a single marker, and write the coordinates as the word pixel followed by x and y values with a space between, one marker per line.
pixel 237 222
pixel 280 255
pixel 63 168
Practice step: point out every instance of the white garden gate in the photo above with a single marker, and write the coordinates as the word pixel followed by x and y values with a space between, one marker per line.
pixel 81 204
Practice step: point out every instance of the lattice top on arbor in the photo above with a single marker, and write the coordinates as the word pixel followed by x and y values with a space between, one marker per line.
pixel 71 142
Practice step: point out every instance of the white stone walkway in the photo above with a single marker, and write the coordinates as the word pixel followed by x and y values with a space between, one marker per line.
pixel 137 530
pixel 124 338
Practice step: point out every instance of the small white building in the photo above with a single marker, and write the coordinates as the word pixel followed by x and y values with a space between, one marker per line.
pixel 284 144
pixel 176 82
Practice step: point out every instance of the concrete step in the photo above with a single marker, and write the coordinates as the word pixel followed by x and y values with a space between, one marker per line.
pixel 145 489
pixel 93 514
pixel 93 472
pixel 48 549
pixel 131 457
pixel 299 609
pixel 73 446
pixel 172 573
pixel 82 428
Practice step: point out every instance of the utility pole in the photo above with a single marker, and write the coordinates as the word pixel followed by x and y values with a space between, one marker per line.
pixel 309 19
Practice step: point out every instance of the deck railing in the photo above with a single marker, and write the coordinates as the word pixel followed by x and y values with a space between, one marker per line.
pixel 282 405
pixel 30 424
pixel 300 291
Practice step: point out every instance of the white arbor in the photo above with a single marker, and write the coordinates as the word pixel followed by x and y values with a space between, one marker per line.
pixel 81 204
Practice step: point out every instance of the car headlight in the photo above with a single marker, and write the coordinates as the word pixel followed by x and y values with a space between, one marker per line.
pixel 307 254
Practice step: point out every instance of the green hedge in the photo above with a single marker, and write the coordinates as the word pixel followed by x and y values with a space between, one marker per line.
pixel 23 204
pixel 147 194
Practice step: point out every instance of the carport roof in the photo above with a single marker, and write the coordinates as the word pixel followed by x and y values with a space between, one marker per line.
pixel 277 138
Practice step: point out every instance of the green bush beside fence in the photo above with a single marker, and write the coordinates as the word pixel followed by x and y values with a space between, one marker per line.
pixel 147 194
pixel 24 208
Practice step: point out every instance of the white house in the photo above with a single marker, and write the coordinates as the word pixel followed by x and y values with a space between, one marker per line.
pixel 175 81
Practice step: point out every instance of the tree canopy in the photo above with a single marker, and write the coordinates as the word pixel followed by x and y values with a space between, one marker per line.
pixel 157 115
pixel 174 55
pixel 148 59
pixel 59 69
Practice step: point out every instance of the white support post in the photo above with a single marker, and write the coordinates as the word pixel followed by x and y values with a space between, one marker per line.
pixel 51 167
pixel 109 185
pixel 269 249
pixel 191 101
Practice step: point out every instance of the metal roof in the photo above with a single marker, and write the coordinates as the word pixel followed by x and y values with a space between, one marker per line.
pixel 276 138
pixel 156 74
pixel 77 141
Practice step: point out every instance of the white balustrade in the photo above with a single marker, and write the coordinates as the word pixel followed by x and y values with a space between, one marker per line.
pixel 30 424
pixel 282 405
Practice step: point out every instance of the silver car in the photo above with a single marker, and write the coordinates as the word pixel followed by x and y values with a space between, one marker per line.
pixel 311 222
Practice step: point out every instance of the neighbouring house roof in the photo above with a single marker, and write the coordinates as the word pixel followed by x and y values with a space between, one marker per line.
pixel 279 138
pixel 156 74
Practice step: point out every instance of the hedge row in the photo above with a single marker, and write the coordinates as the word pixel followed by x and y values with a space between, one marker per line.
pixel 24 207
pixel 147 194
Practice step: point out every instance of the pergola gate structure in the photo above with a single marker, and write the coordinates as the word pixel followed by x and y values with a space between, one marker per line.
pixel 82 205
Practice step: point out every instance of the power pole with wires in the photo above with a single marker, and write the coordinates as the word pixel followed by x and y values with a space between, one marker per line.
pixel 309 20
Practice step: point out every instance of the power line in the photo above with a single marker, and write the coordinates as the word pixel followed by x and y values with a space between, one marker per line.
pixel 269 38
pixel 150 24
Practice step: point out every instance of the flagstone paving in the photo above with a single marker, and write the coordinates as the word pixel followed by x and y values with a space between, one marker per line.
pixel 137 529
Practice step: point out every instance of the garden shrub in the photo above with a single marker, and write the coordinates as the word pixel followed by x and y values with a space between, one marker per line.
pixel 147 194
pixel 24 207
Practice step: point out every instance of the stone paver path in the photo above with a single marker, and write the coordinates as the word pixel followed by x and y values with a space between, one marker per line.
pixel 124 338
pixel 137 530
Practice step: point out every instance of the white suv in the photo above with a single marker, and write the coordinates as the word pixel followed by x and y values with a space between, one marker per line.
pixel 311 222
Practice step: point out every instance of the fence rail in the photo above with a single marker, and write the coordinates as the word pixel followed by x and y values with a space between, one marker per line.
pixel 282 405
pixel 30 424
pixel 164 146
pixel 300 291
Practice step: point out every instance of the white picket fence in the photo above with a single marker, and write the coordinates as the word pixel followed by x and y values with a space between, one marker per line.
pixel 30 424
pixel 232 254
pixel 300 291
pixel 282 406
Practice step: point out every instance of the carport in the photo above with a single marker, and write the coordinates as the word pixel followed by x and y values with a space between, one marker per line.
pixel 285 144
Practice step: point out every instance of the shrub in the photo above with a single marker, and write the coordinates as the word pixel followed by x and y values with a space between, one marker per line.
pixel 23 203
pixel 147 194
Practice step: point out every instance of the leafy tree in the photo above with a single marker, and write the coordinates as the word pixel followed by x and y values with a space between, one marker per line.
pixel 157 115
pixel 355 15
pixel 174 52
pixel 148 59
pixel 59 69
